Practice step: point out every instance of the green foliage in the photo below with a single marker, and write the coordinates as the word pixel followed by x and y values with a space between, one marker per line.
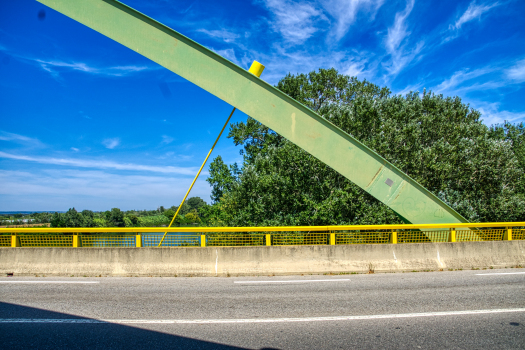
pixel 115 218
pixel 221 177
pixel 438 141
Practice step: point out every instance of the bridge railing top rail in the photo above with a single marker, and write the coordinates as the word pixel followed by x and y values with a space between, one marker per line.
pixel 259 228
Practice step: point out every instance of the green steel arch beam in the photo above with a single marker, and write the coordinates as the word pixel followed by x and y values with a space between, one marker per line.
pixel 262 102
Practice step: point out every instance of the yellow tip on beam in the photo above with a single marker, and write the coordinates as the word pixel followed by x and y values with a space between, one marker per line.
pixel 256 69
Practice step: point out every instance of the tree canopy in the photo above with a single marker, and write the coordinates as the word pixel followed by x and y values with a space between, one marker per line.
pixel 439 141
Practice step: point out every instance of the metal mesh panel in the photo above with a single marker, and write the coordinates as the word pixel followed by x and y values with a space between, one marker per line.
pixel 362 237
pixel 294 238
pixel 234 239
pixel 98 241
pixel 412 237
pixel 479 235
pixel 518 234
pixel 5 241
pixel 46 241
pixel 437 236
pixel 171 240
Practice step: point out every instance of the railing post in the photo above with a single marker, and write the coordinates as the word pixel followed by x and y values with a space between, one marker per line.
pixel 332 238
pixel 15 241
pixel 138 241
pixel 508 234
pixel 268 239
pixel 203 240
pixel 452 235
pixel 393 237
pixel 77 241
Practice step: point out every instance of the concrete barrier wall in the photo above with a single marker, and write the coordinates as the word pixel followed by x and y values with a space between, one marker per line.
pixel 230 261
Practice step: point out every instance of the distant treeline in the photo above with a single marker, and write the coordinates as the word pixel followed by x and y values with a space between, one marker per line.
pixel 193 212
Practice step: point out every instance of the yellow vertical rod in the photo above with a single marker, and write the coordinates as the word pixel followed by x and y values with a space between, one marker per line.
pixel 76 241
pixel 452 235
pixel 508 234
pixel 332 238
pixel 203 240
pixel 256 69
pixel 15 241
pixel 138 241
pixel 268 239
pixel 393 237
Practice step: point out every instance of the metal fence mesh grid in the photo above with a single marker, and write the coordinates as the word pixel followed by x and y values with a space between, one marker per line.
pixel 100 241
pixel 300 238
pixel 152 240
pixel 518 234
pixel 5 241
pixel 229 239
pixel 362 237
pixel 479 235
pixel 46 241
pixel 235 239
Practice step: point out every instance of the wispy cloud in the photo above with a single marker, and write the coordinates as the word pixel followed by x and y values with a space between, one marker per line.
pixel 295 21
pixel 167 139
pixel 222 34
pixel 345 13
pixel 491 114
pixel 100 164
pixel 517 72
pixel 111 143
pixel 473 11
pixel 21 139
pixel 75 149
pixel 460 77
pixel 52 189
pixel 396 47
pixel 55 66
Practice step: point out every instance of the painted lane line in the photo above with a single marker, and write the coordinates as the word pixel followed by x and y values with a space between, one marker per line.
pixel 49 282
pixel 293 281
pixel 263 320
pixel 500 273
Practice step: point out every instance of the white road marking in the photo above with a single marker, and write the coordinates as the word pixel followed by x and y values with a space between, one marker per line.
pixel 294 281
pixel 262 320
pixel 49 282
pixel 500 273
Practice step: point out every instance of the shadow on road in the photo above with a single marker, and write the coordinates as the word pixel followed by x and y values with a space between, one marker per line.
pixel 85 336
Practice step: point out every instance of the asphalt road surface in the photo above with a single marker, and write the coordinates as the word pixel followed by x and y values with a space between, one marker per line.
pixel 481 309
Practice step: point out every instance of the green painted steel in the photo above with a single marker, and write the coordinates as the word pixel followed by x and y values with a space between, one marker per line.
pixel 262 102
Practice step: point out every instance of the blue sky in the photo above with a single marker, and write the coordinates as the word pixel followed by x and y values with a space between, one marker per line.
pixel 90 124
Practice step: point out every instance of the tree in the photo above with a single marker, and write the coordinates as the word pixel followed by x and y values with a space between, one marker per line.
pixel 221 178
pixel 115 218
pixel 438 141
pixel 57 221
pixel 195 203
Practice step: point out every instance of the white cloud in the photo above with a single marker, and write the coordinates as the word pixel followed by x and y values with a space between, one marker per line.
pixel 491 114
pixel 345 12
pixel 222 34
pixel 517 72
pixel 395 43
pixel 101 164
pixel 75 149
pixel 8 136
pixel 460 77
pixel 111 143
pixel 229 54
pixel 295 21
pixel 473 11
pixel 167 139
pixel 92 189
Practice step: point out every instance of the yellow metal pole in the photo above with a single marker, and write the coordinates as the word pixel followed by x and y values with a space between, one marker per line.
pixel 508 234
pixel 452 235
pixel 256 69
pixel 393 237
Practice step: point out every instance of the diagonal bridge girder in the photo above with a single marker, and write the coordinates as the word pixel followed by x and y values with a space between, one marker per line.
pixel 263 102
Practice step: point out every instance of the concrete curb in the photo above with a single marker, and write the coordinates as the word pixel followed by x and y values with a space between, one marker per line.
pixel 277 260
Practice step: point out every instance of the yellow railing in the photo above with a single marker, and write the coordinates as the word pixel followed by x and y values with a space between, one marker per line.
pixel 103 237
